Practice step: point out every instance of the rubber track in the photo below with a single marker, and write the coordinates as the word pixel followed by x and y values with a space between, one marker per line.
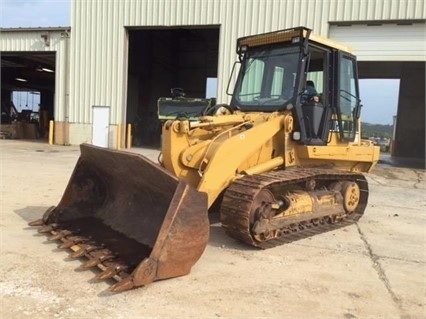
pixel 238 199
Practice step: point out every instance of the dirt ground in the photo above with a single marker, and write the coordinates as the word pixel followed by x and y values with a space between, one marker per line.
pixel 374 269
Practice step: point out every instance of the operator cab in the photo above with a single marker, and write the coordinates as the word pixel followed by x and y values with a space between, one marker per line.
pixel 275 70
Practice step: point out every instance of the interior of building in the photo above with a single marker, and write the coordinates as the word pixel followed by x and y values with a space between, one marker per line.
pixel 27 77
pixel 162 59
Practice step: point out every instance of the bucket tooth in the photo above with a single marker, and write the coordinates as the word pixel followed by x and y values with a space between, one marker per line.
pixel 123 285
pixel 83 250
pixel 90 263
pixel 59 235
pixel 66 244
pixel 47 228
pixel 71 242
pixel 106 274
pixel 38 222
pixel 42 221
pixel 110 272
pixel 93 262
pixel 78 254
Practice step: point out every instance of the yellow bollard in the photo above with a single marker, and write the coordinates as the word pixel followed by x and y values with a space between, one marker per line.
pixel 119 136
pixel 129 135
pixel 51 132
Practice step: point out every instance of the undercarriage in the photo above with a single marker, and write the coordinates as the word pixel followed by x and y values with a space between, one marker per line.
pixel 269 209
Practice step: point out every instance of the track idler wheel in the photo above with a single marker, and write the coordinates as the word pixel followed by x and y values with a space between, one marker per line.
pixel 351 194
pixel 261 207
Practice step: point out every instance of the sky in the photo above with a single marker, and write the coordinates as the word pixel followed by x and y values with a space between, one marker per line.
pixel 35 13
pixel 379 97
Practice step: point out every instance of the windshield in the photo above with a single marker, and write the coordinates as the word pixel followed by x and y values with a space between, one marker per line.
pixel 267 79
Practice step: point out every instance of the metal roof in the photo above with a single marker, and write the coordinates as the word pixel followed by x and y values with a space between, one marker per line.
pixel 35 29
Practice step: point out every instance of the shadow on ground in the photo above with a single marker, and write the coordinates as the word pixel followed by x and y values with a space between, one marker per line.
pixel 404 162
pixel 31 213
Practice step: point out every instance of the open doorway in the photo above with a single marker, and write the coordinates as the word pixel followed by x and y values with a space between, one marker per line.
pixel 27 93
pixel 379 98
pixel 162 59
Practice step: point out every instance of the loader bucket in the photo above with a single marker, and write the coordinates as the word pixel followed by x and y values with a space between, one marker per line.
pixel 130 217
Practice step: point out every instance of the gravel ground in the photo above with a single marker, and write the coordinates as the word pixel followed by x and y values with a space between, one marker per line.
pixel 373 269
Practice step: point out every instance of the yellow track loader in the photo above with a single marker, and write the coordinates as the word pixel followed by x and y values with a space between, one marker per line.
pixel 282 161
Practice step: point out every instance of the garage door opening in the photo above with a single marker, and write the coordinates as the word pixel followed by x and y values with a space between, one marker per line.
pixel 162 59
pixel 27 94
pixel 380 100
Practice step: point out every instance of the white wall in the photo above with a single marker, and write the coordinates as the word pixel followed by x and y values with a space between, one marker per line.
pixel 384 42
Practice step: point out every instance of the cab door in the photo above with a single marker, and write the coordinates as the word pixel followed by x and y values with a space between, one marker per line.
pixel 348 102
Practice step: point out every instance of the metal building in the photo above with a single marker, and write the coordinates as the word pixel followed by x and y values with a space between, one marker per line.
pixel 125 54
pixel 36 59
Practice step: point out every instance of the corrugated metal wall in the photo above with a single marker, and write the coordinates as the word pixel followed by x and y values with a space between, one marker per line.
pixel 31 41
pixel 99 43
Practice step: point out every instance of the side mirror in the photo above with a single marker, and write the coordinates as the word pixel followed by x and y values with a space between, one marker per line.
pixel 233 78
pixel 357 111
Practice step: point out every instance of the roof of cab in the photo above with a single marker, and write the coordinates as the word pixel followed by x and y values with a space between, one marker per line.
pixel 288 35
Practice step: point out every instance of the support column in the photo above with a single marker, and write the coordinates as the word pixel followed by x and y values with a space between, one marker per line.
pixel 410 127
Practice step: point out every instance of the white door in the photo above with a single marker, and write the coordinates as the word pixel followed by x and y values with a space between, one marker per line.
pixel 100 126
